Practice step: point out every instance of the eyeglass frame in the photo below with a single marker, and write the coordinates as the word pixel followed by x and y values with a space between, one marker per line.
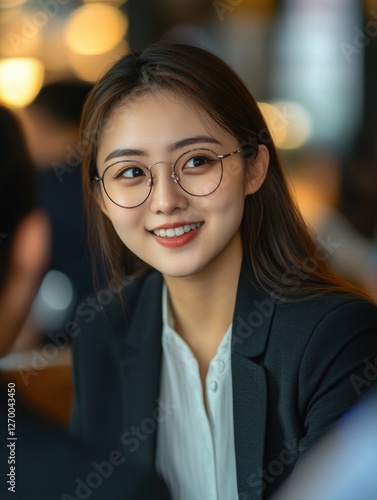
pixel 173 174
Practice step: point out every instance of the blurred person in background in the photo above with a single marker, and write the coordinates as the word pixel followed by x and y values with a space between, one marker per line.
pixel 44 462
pixel 52 130
pixel 18 197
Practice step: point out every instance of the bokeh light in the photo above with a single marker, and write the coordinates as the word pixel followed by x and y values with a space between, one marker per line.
pixel 289 122
pixel 115 3
pixel 91 67
pixel 11 4
pixel 275 120
pixel 95 29
pixel 20 80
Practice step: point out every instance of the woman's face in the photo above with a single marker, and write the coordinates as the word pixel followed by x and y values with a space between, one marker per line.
pixel 159 128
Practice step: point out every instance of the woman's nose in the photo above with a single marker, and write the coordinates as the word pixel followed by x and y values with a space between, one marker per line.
pixel 166 196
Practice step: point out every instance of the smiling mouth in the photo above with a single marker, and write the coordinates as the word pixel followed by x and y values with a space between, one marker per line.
pixel 177 231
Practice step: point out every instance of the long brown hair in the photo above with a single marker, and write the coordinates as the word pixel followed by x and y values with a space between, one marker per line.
pixel 278 247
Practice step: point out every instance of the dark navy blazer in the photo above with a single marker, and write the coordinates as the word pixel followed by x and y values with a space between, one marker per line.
pixel 296 367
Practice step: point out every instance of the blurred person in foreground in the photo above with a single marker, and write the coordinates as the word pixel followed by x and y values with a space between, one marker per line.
pixel 52 130
pixel 43 463
pixel 343 465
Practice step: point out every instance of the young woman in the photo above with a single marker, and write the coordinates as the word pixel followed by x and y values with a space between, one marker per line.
pixel 233 348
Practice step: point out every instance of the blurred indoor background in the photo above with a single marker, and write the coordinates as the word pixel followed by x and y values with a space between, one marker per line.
pixel 309 63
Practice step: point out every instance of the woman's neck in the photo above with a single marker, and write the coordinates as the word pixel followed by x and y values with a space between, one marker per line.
pixel 203 304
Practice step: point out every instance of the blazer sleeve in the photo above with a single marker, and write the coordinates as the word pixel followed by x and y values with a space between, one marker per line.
pixel 82 345
pixel 100 332
pixel 338 365
pixel 94 375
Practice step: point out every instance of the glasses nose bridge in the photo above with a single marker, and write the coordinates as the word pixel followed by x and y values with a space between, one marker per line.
pixel 171 165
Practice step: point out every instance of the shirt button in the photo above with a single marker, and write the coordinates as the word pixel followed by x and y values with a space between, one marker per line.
pixel 213 385
pixel 220 365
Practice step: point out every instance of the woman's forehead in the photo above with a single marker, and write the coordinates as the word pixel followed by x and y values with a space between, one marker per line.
pixel 159 111
pixel 164 103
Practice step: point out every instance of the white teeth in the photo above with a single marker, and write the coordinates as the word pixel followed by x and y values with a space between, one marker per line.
pixel 177 231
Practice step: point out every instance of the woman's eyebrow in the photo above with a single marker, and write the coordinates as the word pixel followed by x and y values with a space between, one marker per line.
pixel 117 153
pixel 188 141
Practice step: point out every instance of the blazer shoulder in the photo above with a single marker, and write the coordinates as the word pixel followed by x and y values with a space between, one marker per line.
pixel 323 326
pixel 318 308
pixel 329 328
pixel 347 317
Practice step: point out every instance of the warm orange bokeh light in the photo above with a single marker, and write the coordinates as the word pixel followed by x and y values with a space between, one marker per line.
pixel 95 29
pixel 21 78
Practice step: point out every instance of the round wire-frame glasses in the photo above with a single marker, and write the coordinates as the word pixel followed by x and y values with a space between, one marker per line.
pixel 197 175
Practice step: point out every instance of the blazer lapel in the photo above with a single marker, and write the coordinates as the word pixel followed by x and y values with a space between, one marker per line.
pixel 251 325
pixel 140 366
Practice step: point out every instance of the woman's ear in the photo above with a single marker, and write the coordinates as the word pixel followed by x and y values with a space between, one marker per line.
pixel 257 170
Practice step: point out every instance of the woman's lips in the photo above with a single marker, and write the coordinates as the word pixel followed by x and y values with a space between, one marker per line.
pixel 173 237
pixel 173 232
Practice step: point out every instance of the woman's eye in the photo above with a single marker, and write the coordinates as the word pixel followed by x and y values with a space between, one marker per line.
pixel 197 161
pixel 131 173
